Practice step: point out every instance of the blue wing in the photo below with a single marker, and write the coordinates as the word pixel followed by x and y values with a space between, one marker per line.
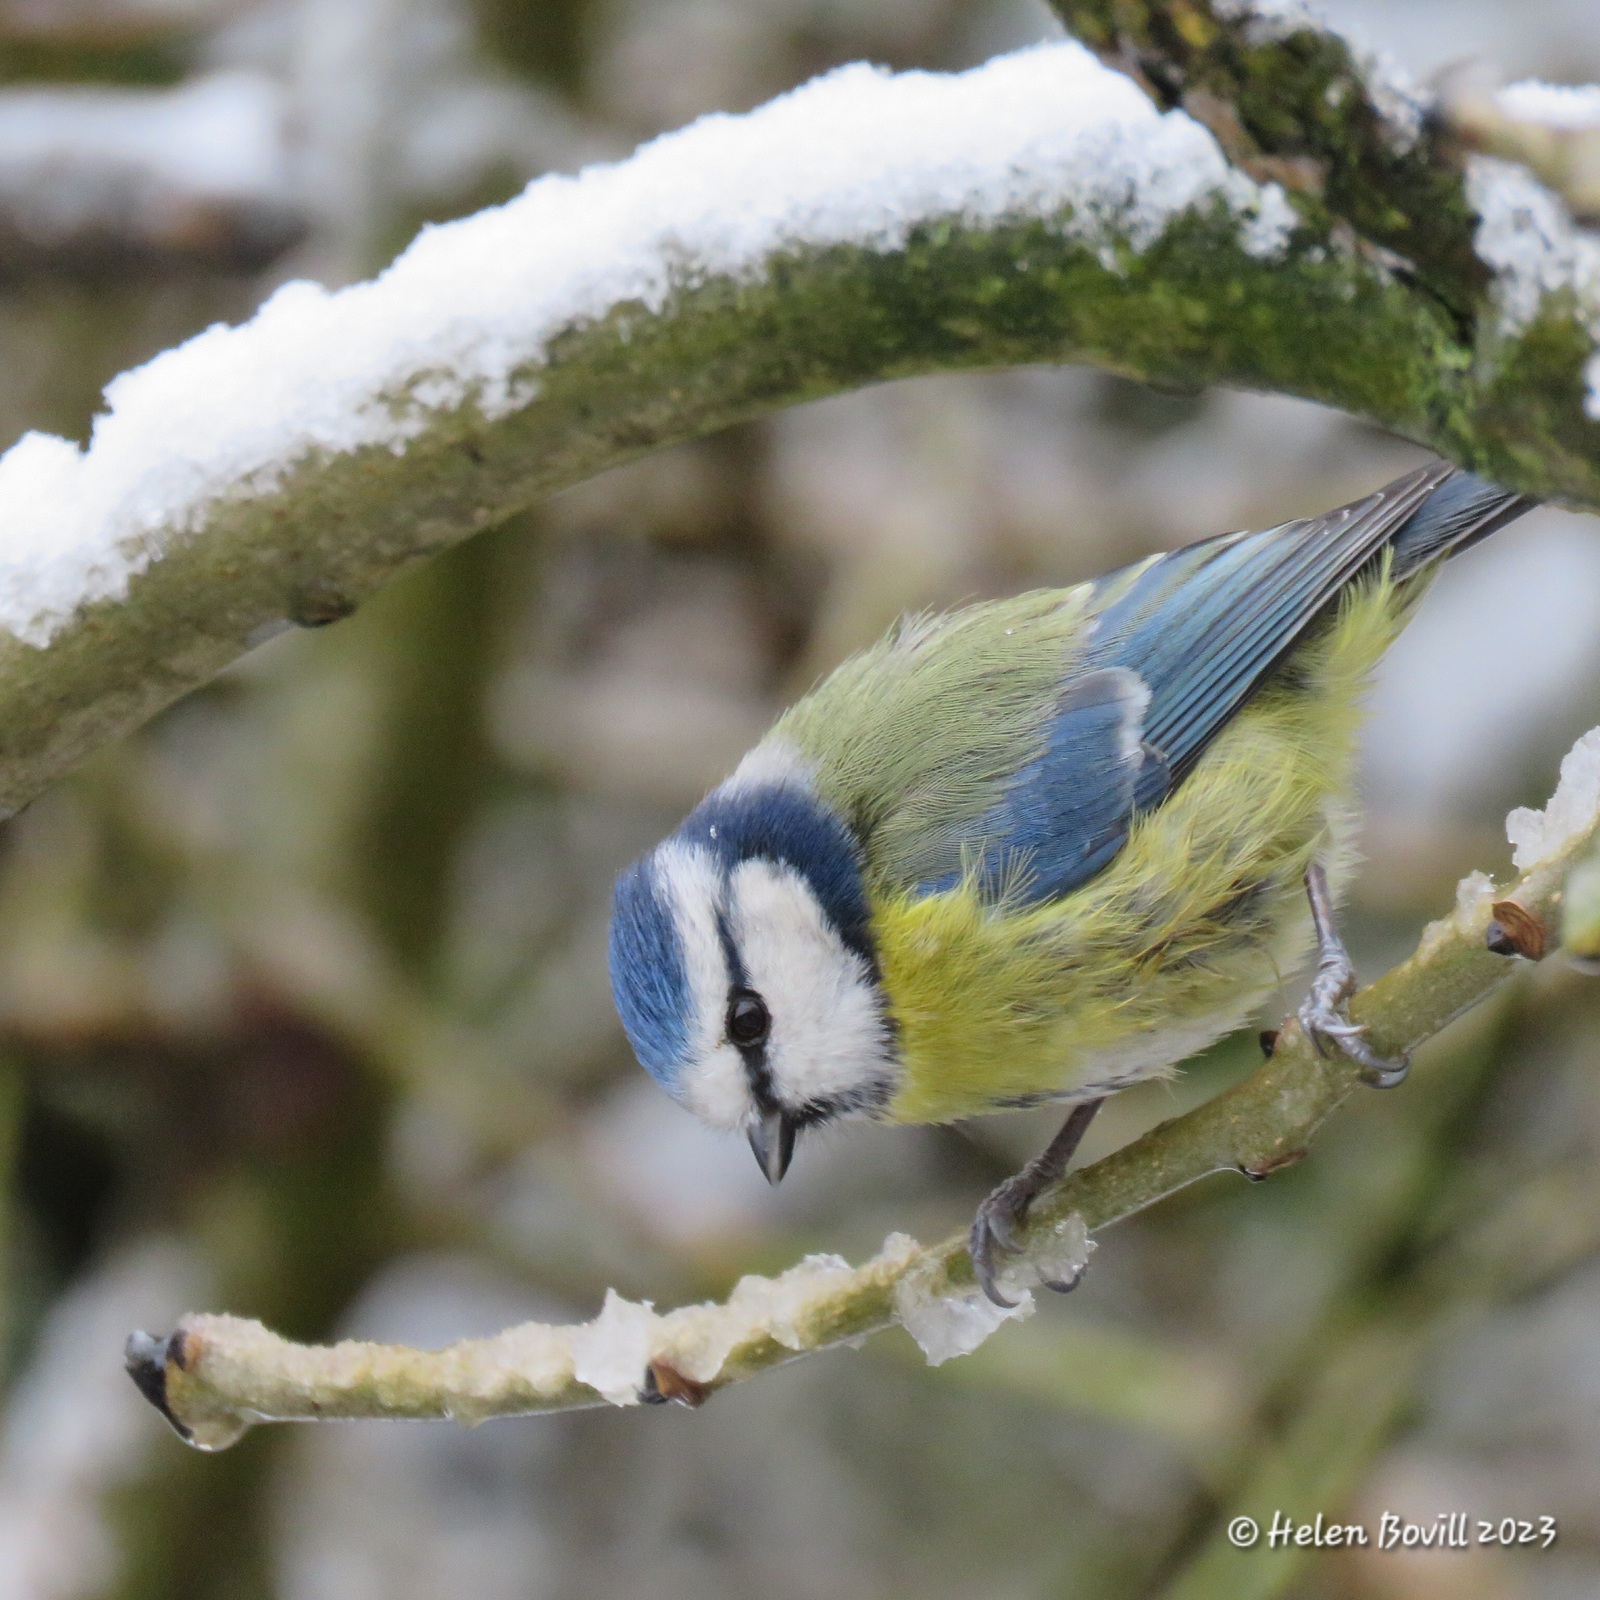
pixel 1180 643
pixel 1066 814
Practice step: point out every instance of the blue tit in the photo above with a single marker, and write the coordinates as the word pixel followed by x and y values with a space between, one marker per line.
pixel 1036 849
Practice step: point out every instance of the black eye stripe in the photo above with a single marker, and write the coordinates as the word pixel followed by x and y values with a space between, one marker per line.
pixel 737 984
pixel 788 827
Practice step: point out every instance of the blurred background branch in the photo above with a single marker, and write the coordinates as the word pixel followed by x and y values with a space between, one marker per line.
pixel 1552 130
pixel 101 181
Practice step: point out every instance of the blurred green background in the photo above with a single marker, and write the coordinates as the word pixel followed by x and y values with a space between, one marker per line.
pixel 303 1008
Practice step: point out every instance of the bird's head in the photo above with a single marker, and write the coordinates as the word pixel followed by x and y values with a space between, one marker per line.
pixel 743 968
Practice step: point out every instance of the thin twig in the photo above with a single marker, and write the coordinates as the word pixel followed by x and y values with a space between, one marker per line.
pixel 216 1375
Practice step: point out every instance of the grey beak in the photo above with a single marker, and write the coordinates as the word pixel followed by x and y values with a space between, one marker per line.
pixel 772 1139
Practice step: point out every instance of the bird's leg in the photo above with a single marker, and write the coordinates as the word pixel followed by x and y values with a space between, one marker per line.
pixel 994 1230
pixel 1323 1012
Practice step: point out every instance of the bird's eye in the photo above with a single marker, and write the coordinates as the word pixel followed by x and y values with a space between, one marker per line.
pixel 749 1021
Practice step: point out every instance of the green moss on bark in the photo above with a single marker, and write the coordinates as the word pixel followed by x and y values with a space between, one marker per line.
pixel 1323 321
pixel 1296 92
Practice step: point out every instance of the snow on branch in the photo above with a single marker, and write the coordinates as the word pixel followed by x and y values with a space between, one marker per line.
pixel 1359 144
pixel 216 1376
pixel 469 314
pixel 866 226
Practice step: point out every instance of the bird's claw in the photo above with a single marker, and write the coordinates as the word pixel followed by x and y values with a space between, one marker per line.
pixel 993 1237
pixel 1323 1014
pixel 1341 1030
pixel 994 1234
pixel 1328 1026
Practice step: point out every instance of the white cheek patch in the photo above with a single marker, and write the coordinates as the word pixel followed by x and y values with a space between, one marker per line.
pixel 828 1035
pixel 717 1089
pixel 713 1083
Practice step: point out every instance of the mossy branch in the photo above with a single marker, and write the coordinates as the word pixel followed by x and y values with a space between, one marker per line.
pixel 215 1376
pixel 1392 174
pixel 1489 362
pixel 1291 99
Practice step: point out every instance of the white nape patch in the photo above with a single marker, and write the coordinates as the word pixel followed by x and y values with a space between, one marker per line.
pixel 713 1083
pixel 773 764
pixel 828 1034
pixel 859 158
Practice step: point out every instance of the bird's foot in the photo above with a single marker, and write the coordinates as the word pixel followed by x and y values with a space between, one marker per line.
pixel 1324 1013
pixel 992 1240
pixel 1328 1026
pixel 995 1235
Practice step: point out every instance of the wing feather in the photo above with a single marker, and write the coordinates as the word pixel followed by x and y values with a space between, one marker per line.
pixel 1204 626
pixel 1051 826
pixel 1178 645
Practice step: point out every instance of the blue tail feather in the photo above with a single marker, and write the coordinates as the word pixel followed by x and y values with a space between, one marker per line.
pixel 1460 512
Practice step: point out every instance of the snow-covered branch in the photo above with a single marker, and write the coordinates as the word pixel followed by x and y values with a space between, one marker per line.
pixel 215 1376
pixel 868 226
pixel 1371 158
pixel 1344 128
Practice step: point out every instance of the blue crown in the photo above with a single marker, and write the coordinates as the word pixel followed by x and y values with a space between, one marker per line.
pixel 648 980
pixel 778 823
